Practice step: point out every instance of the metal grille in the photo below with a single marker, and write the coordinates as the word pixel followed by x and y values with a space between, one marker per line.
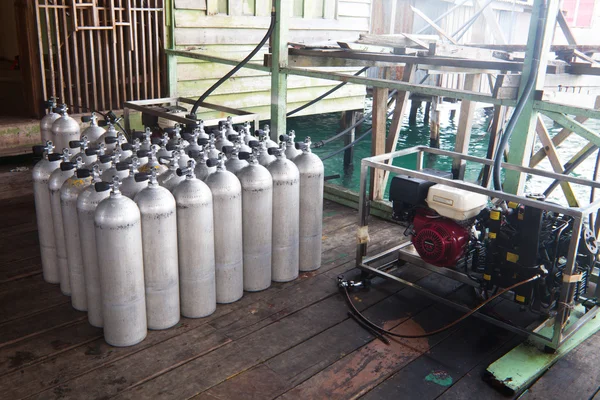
pixel 97 54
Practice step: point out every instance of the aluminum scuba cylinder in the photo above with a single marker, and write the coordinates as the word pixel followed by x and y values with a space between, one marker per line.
pixel 82 145
pixel 93 132
pixel 159 246
pixel 121 264
pixel 264 134
pixel 152 161
pixel 103 160
pixel 202 170
pixel 200 130
pixel 162 143
pixel 64 129
pixel 57 178
pixel 41 193
pixel 238 140
pixel 178 147
pixel 195 235
pixel 129 186
pixel 69 192
pixel 108 174
pixel 48 119
pixel 257 222
pixel 246 133
pixel 110 132
pixel 312 174
pixel 286 217
pixel 170 179
pixel 135 146
pixel 221 138
pixel 233 163
pixel 264 158
pixel 210 149
pixel 290 148
pixel 120 142
pixel 227 210
pixel 228 123
pixel 87 202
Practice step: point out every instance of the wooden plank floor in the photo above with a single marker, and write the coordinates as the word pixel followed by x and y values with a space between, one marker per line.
pixel 292 341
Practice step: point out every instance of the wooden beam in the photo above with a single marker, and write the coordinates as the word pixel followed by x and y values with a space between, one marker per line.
pixel 398 40
pixel 278 76
pixel 574 126
pixel 380 96
pixel 465 123
pixel 435 26
pixel 492 22
pixel 559 138
pixel 402 99
pixel 29 58
pixel 584 57
pixel 555 162
pixel 564 27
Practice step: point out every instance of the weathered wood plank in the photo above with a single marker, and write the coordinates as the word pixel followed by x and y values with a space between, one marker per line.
pixel 39 323
pixel 40 347
pixel 20 269
pixel 575 376
pixel 140 367
pixel 190 5
pixel 199 36
pixel 200 374
pixel 198 19
pixel 380 96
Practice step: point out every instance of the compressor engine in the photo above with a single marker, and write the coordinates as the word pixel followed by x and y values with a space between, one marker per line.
pixel 493 242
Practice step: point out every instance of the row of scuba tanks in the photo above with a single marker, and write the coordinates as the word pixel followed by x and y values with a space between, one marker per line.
pixel 141 233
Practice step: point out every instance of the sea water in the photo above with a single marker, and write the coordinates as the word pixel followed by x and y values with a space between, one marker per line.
pixel 323 126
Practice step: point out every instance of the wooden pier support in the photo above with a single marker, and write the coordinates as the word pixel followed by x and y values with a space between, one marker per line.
pixel 426 113
pixel 348 119
pixel 376 184
pixel 465 123
pixel 434 123
pixel 414 108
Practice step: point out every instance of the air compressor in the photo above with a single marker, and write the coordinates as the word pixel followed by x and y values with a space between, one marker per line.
pixel 494 242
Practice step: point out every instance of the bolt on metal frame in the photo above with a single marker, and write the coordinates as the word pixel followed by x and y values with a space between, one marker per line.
pixel 562 331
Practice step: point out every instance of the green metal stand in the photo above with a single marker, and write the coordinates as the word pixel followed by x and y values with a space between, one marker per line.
pixel 520 367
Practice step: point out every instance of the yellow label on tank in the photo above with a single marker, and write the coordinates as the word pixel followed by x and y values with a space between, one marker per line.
pixel 512 204
pixel 495 215
pixel 520 299
pixel 521 217
pixel 492 235
pixel 487 277
pixel 512 257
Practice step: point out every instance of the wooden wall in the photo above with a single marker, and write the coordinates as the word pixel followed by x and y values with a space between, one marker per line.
pixel 231 29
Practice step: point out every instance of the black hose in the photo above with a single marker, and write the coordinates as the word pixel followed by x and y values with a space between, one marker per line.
pixel 527 92
pixel 237 67
pixel 593 189
pixel 442 329
pixel 322 143
pixel 321 97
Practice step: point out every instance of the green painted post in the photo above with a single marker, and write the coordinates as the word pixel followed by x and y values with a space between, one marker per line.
pixel 171 59
pixel 280 60
pixel 521 141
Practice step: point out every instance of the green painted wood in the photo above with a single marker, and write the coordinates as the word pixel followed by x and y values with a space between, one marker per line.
pixel 567 109
pixel 279 41
pixel 521 366
pixel 574 126
pixel 211 58
pixel 521 141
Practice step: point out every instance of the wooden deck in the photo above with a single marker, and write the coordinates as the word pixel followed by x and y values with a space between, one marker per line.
pixel 292 341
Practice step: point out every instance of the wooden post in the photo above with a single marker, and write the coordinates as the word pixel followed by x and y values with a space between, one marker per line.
pixel 29 57
pixel 521 140
pixel 465 123
pixel 434 123
pixel 426 113
pixel 280 60
pixel 380 96
pixel 497 126
pixel 415 104
pixel 349 119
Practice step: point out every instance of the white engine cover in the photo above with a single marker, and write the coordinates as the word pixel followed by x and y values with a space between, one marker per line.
pixel 454 203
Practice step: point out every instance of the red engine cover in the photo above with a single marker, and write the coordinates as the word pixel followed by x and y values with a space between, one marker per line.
pixel 438 240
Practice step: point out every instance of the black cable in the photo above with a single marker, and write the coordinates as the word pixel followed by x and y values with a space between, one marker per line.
pixel 322 143
pixel 529 88
pixel 238 66
pixel 321 97
pixel 593 189
pixel 442 329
